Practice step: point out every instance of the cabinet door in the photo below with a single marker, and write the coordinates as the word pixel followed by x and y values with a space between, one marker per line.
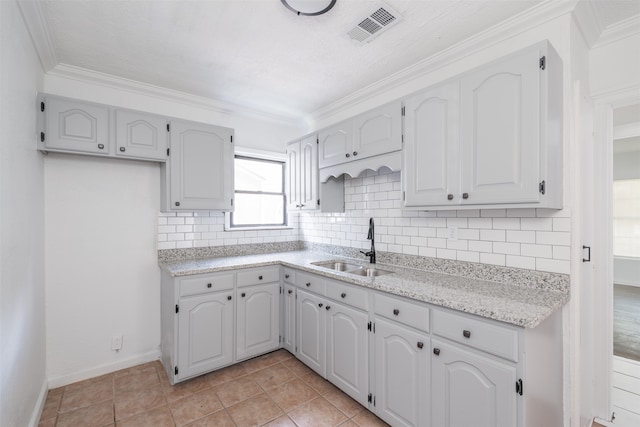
pixel 500 131
pixel 293 176
pixel 348 350
pixel 201 167
pixel 378 131
pixel 140 135
pixel 401 375
pixel 335 144
pixel 311 330
pixel 205 333
pixel 76 126
pixel 289 333
pixel 431 151
pixel 470 389
pixel 258 320
pixel 309 173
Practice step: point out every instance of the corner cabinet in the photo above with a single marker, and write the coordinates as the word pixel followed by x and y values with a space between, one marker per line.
pixel 489 138
pixel 199 172
pixel 302 174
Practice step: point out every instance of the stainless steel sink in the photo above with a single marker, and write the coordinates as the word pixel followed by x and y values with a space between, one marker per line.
pixel 349 268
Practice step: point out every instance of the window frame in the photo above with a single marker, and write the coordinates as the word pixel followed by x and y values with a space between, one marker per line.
pixel 285 217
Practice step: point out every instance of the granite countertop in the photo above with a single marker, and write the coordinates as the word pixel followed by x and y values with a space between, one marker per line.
pixel 511 302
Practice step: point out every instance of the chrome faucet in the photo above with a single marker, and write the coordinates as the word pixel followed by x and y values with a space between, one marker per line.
pixel 370 236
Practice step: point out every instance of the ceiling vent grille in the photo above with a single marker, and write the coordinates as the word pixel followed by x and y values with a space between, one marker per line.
pixel 379 20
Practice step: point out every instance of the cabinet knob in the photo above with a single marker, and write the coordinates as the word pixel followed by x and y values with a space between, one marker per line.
pixel 436 351
pixel 243 295
pixel 347 155
pixel 355 153
pixel 229 298
pixel 208 285
pixel 396 311
pixel 297 206
pixel 420 345
pixel 259 277
pixel 286 276
pixel 177 203
pixel 466 334
pixel 290 291
pixel 343 295
pixel 101 146
pixel 465 195
pixel 308 284
pixel 302 205
pixel 328 308
pixel 449 196
pixel 320 305
pixel 122 149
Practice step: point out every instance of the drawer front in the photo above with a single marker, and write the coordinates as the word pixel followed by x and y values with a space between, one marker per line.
pixel 310 282
pixel 256 276
pixel 195 285
pixel 485 336
pixel 409 313
pixel 351 295
pixel 289 275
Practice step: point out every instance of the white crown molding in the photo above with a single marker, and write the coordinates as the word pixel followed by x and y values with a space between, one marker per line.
pixel 619 31
pixel 119 83
pixel 588 20
pixel 520 23
pixel 629 130
pixel 619 96
pixel 38 28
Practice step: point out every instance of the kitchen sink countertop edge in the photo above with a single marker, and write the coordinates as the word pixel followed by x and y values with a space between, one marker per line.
pixel 509 303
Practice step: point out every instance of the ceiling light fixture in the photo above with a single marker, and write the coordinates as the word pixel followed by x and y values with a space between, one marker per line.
pixel 309 7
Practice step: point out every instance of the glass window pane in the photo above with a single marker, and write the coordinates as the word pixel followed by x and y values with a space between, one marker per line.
pixel 626 218
pixel 256 175
pixel 258 209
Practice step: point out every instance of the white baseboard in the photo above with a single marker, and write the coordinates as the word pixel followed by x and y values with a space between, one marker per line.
pixel 39 406
pixel 104 369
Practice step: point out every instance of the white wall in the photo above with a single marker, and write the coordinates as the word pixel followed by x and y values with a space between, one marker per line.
pixel 22 318
pixel 614 66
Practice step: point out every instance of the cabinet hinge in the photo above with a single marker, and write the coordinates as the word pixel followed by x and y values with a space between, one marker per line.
pixel 231 202
pixel 280 292
pixel 519 387
pixel 370 398
pixel 403 111
pixel 404 196
pixel 42 106
pixel 369 328
pixel 168 151
pixel 232 139
pixel 280 338
pixel 543 63
pixel 542 187
pixel 318 202
pixel 168 127
pixel 402 138
pixel 175 370
pixel 177 308
pixel 317 140
pixel 41 136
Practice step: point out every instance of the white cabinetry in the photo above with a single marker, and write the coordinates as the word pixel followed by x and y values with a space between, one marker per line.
pixel 311 331
pixel 258 319
pixel 199 172
pixel 289 318
pixel 375 132
pixel 140 135
pixel 302 173
pixel 491 137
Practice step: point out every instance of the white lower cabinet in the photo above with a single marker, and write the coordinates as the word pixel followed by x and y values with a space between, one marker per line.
pixel 401 374
pixel 289 318
pixel 205 330
pixel 258 319
pixel 471 389
pixel 311 331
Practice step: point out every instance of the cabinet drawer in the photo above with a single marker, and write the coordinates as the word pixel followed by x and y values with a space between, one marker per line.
pixel 409 313
pixel 256 276
pixel 203 284
pixel 310 282
pixel 289 275
pixel 485 336
pixel 346 294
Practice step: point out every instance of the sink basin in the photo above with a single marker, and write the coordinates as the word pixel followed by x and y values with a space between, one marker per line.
pixel 369 272
pixel 349 268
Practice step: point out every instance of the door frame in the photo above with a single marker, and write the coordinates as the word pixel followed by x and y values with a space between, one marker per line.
pixel 602 250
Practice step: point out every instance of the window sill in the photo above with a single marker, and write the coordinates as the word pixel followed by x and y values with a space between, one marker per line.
pixel 266 227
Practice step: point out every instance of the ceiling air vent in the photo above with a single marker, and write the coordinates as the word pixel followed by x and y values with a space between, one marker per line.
pixel 379 20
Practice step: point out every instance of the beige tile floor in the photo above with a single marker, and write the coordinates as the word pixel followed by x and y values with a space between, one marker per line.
pixel 272 390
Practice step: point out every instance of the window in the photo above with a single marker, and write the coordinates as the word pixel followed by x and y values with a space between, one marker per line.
pixel 626 218
pixel 259 194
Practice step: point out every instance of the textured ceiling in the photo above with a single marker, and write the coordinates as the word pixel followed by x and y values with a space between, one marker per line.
pixel 256 53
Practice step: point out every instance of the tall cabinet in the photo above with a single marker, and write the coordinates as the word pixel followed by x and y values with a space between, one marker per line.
pixel 302 174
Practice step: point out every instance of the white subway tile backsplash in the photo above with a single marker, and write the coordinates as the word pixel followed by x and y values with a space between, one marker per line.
pixel 437 243
pixel 469 234
pixel 480 223
pixel 521 236
pixel 446 253
pixel 559 238
pixel 553 265
pixel 521 262
pixel 536 251
pixel 561 224
pixel 468 256
pixel 495 259
pixel 461 245
pixel 506 248
pixel 536 224
pixel 506 223
pixel 480 246
pixel 493 235
pixel 493 213
pixel 562 252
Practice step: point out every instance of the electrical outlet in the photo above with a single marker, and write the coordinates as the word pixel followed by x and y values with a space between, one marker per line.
pixel 452 233
pixel 116 342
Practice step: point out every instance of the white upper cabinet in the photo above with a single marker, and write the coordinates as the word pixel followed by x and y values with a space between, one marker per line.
pixel 199 173
pixel 375 132
pixel 140 135
pixel 75 126
pixel 489 138
pixel 302 174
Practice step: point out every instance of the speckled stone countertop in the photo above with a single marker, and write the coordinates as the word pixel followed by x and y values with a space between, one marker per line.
pixel 513 303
